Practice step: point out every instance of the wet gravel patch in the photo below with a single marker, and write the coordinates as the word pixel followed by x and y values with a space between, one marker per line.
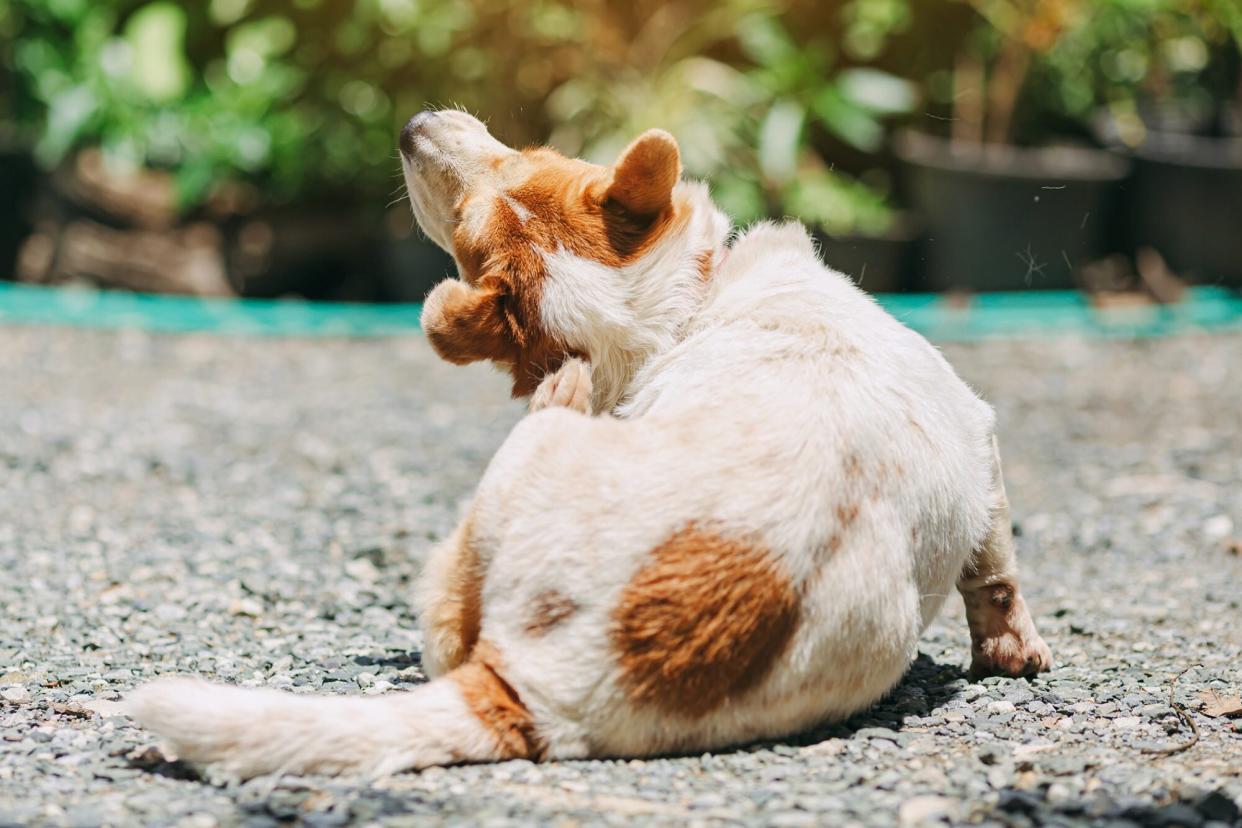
pixel 254 511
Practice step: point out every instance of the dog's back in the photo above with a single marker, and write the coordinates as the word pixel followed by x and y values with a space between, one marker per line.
pixel 797 418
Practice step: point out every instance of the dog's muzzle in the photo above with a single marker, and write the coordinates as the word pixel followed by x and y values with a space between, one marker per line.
pixel 414 127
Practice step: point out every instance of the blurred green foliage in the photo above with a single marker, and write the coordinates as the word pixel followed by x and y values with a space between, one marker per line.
pixel 289 95
pixel 1063 62
pixel 1129 55
pixel 302 98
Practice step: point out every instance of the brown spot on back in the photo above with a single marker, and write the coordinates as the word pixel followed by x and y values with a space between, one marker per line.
pixel 847 514
pixel 549 610
pixel 497 705
pixel 702 622
pixel 853 466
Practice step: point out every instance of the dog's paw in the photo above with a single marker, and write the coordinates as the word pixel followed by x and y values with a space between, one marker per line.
pixel 568 387
pixel 1003 638
pixel 1010 654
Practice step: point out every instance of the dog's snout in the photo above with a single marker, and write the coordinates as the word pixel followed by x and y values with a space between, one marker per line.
pixel 412 128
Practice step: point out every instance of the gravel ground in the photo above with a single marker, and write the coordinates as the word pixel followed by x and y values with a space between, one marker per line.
pixel 254 511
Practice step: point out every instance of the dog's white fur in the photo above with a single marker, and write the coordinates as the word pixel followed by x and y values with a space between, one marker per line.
pixel 775 402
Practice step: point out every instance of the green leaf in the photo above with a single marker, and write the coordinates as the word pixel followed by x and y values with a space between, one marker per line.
pixel 764 41
pixel 780 140
pixel 847 120
pixel 156 33
pixel 877 91
pixel 68 114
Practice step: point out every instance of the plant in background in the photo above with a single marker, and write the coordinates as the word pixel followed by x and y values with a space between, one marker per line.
pixel 992 69
pixel 1032 68
pixel 801 91
pixel 1173 62
pixel 745 125
pixel 287 95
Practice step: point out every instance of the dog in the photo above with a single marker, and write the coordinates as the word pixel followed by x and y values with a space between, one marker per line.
pixel 742 492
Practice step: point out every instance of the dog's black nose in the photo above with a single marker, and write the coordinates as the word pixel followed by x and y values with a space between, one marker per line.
pixel 411 129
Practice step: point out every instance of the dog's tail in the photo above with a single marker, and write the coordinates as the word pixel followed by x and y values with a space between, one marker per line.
pixel 470 715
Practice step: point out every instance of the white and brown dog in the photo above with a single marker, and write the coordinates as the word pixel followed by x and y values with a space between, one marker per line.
pixel 743 491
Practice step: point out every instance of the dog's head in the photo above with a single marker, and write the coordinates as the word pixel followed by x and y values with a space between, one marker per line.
pixel 556 256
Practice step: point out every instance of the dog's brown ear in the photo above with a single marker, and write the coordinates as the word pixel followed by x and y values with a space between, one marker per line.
pixel 466 324
pixel 645 174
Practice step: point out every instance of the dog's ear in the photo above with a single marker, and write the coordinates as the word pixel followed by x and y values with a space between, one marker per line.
pixel 645 174
pixel 465 324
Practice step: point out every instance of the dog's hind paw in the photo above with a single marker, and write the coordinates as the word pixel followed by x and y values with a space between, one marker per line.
pixel 567 387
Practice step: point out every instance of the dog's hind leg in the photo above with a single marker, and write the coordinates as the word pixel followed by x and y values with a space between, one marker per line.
pixel 449 600
pixel 569 387
pixel 449 592
pixel 1002 634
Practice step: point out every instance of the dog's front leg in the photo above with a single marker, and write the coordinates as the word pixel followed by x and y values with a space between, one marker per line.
pixel 1003 638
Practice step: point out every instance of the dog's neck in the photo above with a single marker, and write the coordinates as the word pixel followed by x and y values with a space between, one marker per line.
pixel 637 312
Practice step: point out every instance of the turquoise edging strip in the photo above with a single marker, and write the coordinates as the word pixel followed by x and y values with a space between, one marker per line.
pixel 85 308
pixel 988 316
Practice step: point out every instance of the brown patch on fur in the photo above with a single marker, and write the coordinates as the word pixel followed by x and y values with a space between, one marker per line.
pixel 497 316
pixel 612 216
pixel 646 173
pixel 573 205
pixel 702 622
pixel 551 609
pixel 834 543
pixel 465 324
pixel 988 610
pixel 853 466
pixel 1000 596
pixel 847 514
pixel 915 424
pixel 705 262
pixel 497 705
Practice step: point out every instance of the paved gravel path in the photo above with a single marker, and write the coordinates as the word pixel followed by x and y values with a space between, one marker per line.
pixel 254 510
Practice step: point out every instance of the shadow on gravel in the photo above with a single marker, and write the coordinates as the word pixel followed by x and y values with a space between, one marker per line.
pixel 153 761
pixel 926 686
pixel 1020 809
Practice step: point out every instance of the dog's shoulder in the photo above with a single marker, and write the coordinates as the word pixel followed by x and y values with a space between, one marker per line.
pixel 767 245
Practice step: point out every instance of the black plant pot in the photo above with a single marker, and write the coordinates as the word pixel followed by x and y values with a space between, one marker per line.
pixel 878 264
pixel 1009 218
pixel 17 189
pixel 1186 202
